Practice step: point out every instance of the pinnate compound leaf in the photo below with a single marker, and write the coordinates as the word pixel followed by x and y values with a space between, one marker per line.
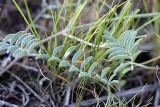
pixel 104 72
pixel 83 74
pixel 19 44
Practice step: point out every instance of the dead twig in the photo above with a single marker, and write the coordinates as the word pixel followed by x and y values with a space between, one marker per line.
pixel 67 97
pixel 30 89
pixel 8 67
pixel 25 97
pixel 27 67
pixel 157 98
pixel 4 103
pixel 128 93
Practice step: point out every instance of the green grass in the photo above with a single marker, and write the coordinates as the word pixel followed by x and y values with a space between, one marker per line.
pixel 116 20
